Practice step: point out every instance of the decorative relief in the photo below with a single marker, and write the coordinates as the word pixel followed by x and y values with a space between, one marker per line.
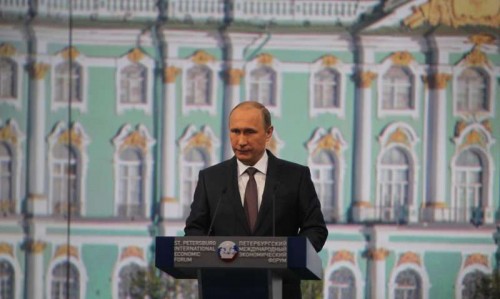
pixel 476 57
pixel 202 57
pixel 70 53
pixel 265 59
pixel 409 258
pixel 199 140
pixel 476 258
pixel 35 197
pixel 72 137
pixel 135 55
pixel 328 142
pixel 365 79
pixel 63 250
pixel 7 50
pixel 170 74
pixel 362 204
pixel 8 134
pixel 342 256
pixel 399 136
pixel 132 251
pixel 456 13
pixel 6 249
pixel 402 58
pixel 482 39
pixel 35 246
pixel 329 60
pixel 459 127
pixel 487 125
pixel 136 139
pixel 437 80
pixel 234 76
pixel 474 138
pixel 378 254
pixel 436 205
pixel 7 206
pixel 169 199
pixel 38 70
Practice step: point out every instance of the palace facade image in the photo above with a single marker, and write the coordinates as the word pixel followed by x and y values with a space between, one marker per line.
pixel 108 110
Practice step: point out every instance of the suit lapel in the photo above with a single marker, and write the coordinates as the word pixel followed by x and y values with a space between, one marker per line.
pixel 235 197
pixel 272 181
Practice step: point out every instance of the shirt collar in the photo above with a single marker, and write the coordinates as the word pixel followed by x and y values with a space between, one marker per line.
pixel 261 165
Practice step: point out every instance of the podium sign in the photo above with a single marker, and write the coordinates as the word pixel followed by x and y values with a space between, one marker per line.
pixel 251 266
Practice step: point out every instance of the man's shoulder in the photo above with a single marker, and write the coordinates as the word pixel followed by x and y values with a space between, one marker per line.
pixel 289 165
pixel 219 167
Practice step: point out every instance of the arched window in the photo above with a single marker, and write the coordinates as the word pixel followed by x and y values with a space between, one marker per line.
pixel 199 86
pixel 8 75
pixel 128 274
pixel 470 283
pixel 342 284
pixel 472 95
pixel 408 285
pixel 64 77
pixel 397 89
pixel 468 184
pixel 133 84
pixel 60 287
pixel 323 173
pixel 326 89
pixel 7 280
pixel 263 86
pixel 65 180
pixel 394 182
pixel 194 160
pixel 6 179
pixel 131 183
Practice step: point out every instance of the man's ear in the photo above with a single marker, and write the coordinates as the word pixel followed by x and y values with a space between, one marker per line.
pixel 269 132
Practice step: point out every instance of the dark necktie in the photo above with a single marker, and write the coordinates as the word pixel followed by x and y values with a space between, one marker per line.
pixel 251 201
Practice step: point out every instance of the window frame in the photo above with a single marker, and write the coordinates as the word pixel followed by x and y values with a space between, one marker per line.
pixel 17 61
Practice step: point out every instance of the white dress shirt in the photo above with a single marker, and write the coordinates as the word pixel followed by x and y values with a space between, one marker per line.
pixel 260 178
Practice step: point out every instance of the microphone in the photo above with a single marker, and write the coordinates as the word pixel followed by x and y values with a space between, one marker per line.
pixel 274 207
pixel 223 193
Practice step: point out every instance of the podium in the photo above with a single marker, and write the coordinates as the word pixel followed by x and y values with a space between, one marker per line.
pixel 238 267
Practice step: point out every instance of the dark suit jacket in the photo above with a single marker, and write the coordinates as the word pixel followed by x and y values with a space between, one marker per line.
pixel 297 208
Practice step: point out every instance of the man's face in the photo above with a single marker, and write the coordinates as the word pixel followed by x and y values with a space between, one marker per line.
pixel 248 135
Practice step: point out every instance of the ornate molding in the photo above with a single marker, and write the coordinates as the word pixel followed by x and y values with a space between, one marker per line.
pixel 132 251
pixel 8 134
pixel 366 78
pixel 378 254
pixel 7 50
pixel 72 137
pixel 328 142
pixel 459 127
pixel 475 137
pixel 455 13
pixel 35 197
pixel 476 258
pixel 199 140
pixel 7 206
pixel 436 205
pixel 39 70
pixel 342 256
pixel 487 125
pixel 400 137
pixel 136 139
pixel 403 58
pixel 362 204
pixel 70 53
pixel 409 258
pixel 170 74
pixel 202 57
pixel 35 246
pixel 329 60
pixel 437 80
pixel 6 249
pixel 169 199
pixel 265 59
pixel 482 39
pixel 63 250
pixel 234 76
pixel 135 55
pixel 476 57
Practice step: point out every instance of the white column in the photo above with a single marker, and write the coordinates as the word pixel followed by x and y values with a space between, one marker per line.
pixel 363 150
pixel 171 207
pixel 233 99
pixel 378 277
pixel 37 199
pixel 35 271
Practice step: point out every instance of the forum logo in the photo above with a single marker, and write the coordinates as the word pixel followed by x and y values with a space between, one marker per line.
pixel 227 251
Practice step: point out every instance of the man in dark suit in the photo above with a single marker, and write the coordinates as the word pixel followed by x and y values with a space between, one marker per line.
pixel 297 211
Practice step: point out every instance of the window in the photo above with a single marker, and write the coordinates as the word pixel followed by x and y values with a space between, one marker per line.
pixel 133 84
pixel 131 181
pixel 126 278
pixel 6 179
pixel 62 289
pixel 468 184
pixel 393 184
pixel 326 89
pixel 199 82
pixel 472 95
pixel 342 284
pixel 194 160
pixel 408 285
pixel 65 177
pixel 263 86
pixel 323 176
pixel 470 284
pixel 6 280
pixel 64 77
pixel 8 75
pixel 397 89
